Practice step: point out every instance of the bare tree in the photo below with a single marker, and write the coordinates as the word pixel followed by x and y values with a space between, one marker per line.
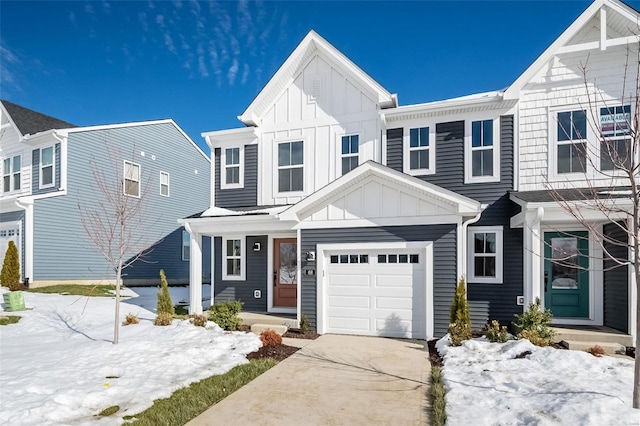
pixel 114 219
pixel 612 170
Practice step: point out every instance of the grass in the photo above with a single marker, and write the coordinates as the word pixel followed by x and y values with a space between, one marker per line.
pixel 11 319
pixel 109 411
pixel 77 290
pixel 187 403
pixel 438 403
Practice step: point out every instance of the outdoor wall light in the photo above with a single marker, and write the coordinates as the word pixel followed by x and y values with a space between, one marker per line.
pixel 311 256
pixel 256 246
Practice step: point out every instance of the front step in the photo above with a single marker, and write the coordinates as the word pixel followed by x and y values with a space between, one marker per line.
pixel 593 335
pixel 259 328
pixel 250 318
pixel 609 347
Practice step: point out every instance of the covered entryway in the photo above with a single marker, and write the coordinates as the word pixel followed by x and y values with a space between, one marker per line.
pixel 376 289
pixel 285 272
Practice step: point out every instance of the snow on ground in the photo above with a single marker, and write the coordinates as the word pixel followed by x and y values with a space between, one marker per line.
pixel 58 364
pixel 487 385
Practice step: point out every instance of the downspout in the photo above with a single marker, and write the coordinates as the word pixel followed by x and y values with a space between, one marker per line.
pixel 463 243
pixel 27 205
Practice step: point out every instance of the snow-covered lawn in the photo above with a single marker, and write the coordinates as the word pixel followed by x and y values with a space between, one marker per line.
pixel 58 365
pixel 487 385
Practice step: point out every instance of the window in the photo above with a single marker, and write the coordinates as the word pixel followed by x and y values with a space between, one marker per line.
pixel 615 146
pixel 419 149
pixel 350 147
pixel 349 258
pixel 164 184
pixel 398 258
pixel 11 173
pixel 186 245
pixel 482 151
pixel 571 154
pixel 47 171
pixel 233 258
pixel 232 169
pixel 131 179
pixel 290 166
pixel 485 254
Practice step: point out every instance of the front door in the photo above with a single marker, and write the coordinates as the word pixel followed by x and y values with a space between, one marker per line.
pixel 285 270
pixel 566 273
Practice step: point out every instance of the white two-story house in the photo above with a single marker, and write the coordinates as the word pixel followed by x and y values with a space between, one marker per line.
pixel 336 203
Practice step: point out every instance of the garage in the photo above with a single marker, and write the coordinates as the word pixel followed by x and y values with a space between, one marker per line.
pixel 376 289
pixel 10 231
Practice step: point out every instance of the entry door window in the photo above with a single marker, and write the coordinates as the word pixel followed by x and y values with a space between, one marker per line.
pixel 564 272
pixel 288 266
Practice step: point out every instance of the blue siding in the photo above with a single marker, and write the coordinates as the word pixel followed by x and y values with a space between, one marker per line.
pixel 616 279
pixel 35 172
pixel 242 197
pixel 62 250
pixel 15 216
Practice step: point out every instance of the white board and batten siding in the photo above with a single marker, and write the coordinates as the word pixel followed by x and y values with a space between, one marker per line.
pixel 319 107
pixel 560 86
pixel 11 146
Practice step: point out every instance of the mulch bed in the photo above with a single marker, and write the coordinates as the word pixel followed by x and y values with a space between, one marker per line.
pixel 295 333
pixel 277 352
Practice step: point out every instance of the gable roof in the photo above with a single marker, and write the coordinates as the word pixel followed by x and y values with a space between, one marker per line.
pixel 30 122
pixel 311 44
pixel 622 10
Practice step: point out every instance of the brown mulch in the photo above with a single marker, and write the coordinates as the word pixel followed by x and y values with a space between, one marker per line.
pixel 295 333
pixel 277 352
pixel 434 356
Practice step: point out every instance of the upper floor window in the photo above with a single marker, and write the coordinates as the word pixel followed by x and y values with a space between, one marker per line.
pixel 350 148
pixel 290 166
pixel 482 160
pixel 232 168
pixel 47 167
pixel 186 245
pixel 164 184
pixel 11 167
pixel 233 258
pixel 571 149
pixel 131 179
pixel 418 155
pixel 615 146
pixel 485 254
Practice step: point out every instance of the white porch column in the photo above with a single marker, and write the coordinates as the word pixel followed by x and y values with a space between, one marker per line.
pixel 533 256
pixel 195 272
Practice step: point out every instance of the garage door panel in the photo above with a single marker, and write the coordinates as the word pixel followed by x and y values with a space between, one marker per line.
pixel 393 328
pixel 363 280
pixel 350 325
pixel 401 303
pixel 394 280
pixel 350 302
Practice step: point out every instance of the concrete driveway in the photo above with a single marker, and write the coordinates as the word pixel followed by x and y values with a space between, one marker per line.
pixel 335 380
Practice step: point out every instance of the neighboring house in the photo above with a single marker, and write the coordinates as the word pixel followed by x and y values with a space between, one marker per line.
pixel 47 168
pixel 337 204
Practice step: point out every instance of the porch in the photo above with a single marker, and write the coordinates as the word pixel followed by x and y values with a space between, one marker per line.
pixel 259 321
pixel 582 337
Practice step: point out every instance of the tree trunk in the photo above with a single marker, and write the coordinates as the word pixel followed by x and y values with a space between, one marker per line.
pixel 116 325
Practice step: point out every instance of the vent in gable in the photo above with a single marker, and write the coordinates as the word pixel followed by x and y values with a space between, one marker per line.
pixel 314 88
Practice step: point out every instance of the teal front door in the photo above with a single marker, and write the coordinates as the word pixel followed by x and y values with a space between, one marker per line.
pixel 566 273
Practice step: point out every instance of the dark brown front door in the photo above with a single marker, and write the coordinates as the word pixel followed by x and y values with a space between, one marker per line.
pixel 285 270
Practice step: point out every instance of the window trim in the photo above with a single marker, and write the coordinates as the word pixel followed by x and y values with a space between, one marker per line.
pixel 499 255
pixel 277 168
pixel 224 166
pixel 12 174
pixel 602 139
pixel 186 244
pixel 168 194
pixel 124 179
pixel 341 155
pixel 242 257
pixel 552 148
pixel 52 165
pixel 406 150
pixel 468 150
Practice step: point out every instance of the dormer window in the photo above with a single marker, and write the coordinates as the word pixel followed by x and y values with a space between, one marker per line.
pixel 482 152
pixel 232 168
pixel 571 148
pixel 290 166
pixel 350 157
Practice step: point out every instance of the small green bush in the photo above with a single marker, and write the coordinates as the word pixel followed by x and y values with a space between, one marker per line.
pixel 165 304
pixel 304 324
pixel 225 314
pixel 10 274
pixel 438 401
pixel 497 334
pixel 535 324
pixel 199 320
pixel 460 318
pixel 163 318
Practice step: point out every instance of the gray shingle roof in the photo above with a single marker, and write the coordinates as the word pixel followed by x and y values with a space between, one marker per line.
pixel 32 122
pixel 572 194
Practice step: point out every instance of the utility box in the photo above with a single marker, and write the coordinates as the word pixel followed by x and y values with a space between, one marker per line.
pixel 13 301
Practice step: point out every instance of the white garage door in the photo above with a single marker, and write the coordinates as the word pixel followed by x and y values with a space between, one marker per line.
pixel 376 292
pixel 9 231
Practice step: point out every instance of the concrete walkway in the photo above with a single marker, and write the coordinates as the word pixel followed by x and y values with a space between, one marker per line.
pixel 335 380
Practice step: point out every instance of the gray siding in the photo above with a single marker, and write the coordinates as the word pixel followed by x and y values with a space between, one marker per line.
pixel 495 301
pixel 14 217
pixel 616 280
pixel 35 171
pixel 243 197
pixel 255 278
pixel 444 261
pixel 62 250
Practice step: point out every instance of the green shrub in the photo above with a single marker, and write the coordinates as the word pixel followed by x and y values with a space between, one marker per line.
pixel 535 324
pixel 304 324
pixel 438 401
pixel 165 304
pixel 497 334
pixel 460 319
pixel 199 320
pixel 10 275
pixel 225 314
pixel 163 318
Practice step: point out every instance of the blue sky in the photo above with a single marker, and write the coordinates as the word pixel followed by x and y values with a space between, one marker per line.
pixel 202 63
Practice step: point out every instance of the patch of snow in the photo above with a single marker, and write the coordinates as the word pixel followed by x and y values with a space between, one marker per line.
pixel 59 365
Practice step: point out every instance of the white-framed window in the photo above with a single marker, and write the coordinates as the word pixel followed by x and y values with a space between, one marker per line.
pixel 570 142
pixel 11 177
pixel 482 151
pixel 419 151
pixel 131 184
pixel 615 146
pixel 47 167
pixel 232 168
pixel 233 258
pixel 164 184
pixel 186 245
pixel 485 253
pixel 350 157
pixel 290 166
